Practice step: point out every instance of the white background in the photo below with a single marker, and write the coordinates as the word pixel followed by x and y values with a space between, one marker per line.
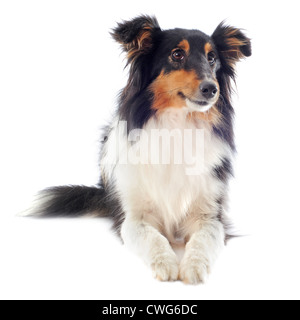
pixel 60 73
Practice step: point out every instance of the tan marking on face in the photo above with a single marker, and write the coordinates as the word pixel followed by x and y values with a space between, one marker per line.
pixel 184 45
pixel 208 48
pixel 166 88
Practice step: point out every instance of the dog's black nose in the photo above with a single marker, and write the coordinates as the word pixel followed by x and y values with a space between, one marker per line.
pixel 208 89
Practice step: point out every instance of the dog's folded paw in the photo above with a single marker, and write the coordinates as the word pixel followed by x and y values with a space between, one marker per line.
pixel 194 271
pixel 165 267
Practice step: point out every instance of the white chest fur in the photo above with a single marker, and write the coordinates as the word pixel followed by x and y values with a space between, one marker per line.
pixel 161 179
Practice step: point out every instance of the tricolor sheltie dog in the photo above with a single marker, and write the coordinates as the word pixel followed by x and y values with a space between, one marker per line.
pixel 167 154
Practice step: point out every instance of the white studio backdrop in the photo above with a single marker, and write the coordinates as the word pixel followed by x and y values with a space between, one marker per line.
pixel 60 73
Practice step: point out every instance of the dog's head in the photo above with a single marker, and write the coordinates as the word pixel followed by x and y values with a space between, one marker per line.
pixel 182 68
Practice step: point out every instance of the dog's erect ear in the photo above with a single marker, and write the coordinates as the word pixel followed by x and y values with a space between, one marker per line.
pixel 136 36
pixel 231 43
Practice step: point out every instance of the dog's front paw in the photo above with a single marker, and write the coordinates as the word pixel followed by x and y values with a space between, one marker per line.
pixel 194 270
pixel 165 267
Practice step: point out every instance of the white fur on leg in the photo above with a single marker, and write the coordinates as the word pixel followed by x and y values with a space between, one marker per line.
pixel 201 252
pixel 149 243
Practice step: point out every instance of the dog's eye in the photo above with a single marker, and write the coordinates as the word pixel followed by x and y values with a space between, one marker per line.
pixel 211 57
pixel 178 55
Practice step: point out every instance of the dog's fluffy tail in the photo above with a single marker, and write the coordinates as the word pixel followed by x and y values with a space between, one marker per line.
pixel 70 201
